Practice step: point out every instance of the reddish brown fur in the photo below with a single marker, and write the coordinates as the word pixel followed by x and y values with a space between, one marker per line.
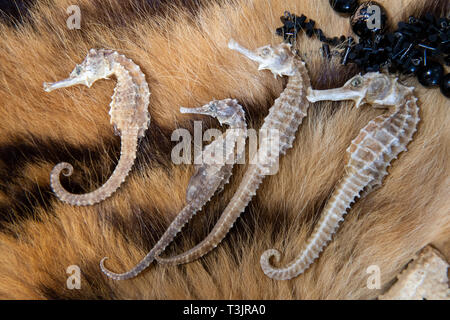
pixel 186 62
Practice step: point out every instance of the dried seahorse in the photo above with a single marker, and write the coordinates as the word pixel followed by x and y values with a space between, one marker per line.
pixel 210 177
pixel 129 115
pixel 281 125
pixel 370 153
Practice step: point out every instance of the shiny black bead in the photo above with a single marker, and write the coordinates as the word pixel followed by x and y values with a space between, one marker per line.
pixel 361 20
pixel 431 75
pixel 344 6
pixel 445 85
pixel 412 67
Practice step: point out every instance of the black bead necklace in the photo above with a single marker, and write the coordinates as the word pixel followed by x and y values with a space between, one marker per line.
pixel 417 47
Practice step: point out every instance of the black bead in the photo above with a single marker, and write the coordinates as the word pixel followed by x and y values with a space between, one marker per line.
pixel 360 20
pixel 300 21
pixel 445 85
pixel 431 75
pixel 410 69
pixel 280 31
pixel 344 6
pixel 289 25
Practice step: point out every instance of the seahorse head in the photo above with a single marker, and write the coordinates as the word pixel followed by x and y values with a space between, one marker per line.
pixel 94 67
pixel 227 111
pixel 374 88
pixel 278 59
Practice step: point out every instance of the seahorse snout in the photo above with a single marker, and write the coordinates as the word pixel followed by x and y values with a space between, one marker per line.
pixel 50 86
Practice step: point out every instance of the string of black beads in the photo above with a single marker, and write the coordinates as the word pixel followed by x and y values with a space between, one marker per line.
pixel 417 47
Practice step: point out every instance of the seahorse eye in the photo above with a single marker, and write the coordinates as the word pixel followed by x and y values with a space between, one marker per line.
pixel 78 70
pixel 266 51
pixel 357 82
pixel 213 107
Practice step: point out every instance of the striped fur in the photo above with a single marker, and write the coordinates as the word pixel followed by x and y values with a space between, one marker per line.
pixel 184 57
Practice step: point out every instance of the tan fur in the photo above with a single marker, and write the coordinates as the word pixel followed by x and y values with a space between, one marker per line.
pixel 186 62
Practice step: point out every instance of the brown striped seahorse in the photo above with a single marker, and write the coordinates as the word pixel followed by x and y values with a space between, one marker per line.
pixel 369 155
pixel 129 115
pixel 210 177
pixel 281 124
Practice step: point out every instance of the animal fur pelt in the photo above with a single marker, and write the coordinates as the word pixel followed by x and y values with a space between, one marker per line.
pixel 182 50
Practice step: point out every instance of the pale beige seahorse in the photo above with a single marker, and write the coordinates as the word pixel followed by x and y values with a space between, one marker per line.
pixel 210 177
pixel 129 115
pixel 370 153
pixel 281 124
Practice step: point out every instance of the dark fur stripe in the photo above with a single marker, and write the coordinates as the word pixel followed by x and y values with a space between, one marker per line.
pixel 16 12
pixel 154 151
pixel 437 8
pixel 25 202
pixel 93 285
pixel 21 151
